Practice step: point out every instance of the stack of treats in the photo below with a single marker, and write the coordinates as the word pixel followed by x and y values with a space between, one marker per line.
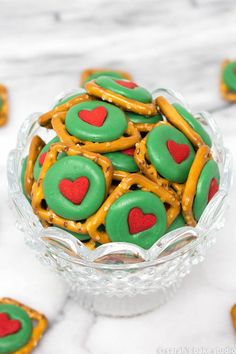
pixel 122 167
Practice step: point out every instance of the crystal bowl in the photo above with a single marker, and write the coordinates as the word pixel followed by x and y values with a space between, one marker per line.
pixel 120 279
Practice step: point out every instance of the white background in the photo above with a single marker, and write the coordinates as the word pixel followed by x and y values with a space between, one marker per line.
pixel 178 44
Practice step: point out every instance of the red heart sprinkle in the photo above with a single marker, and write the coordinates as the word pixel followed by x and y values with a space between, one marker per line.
pixel 129 152
pixel 179 152
pixel 42 158
pixel 95 117
pixel 74 191
pixel 127 84
pixel 138 221
pixel 8 326
pixel 214 187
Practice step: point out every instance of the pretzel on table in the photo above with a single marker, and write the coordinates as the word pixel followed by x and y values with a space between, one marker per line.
pixel 4 105
pixel 39 327
pixel 224 90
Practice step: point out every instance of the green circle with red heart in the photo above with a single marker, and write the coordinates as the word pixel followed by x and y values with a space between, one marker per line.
pixel 123 160
pixel 229 76
pixel 125 88
pixel 40 160
pixel 170 152
pixel 207 187
pixel 110 73
pixel 96 121
pixel 15 328
pixel 74 187
pixel 138 118
pixel 136 217
pixel 194 123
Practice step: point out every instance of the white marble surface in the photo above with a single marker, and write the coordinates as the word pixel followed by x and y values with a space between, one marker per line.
pixel 44 45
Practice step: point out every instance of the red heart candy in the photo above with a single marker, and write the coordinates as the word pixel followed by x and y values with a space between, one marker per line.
pixel 95 117
pixel 42 158
pixel 74 191
pixel 127 84
pixel 214 187
pixel 138 221
pixel 129 152
pixel 179 152
pixel 8 326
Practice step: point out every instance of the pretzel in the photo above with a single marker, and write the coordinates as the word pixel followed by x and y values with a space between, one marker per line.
pixel 58 123
pixel 38 194
pixel 119 175
pixel 36 146
pixel 45 119
pixel 38 329
pixel 201 158
pixel 233 316
pixel 98 219
pixel 4 108
pixel 224 90
pixel 144 127
pixel 149 170
pixel 88 72
pixel 119 100
pixel 90 244
pixel 179 122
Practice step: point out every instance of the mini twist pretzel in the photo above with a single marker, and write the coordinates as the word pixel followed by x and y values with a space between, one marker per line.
pixel 201 157
pixel 175 118
pixel 38 194
pixel 45 119
pixel 3 105
pixel 38 329
pixel 224 90
pixel 88 72
pixel 124 142
pixel 36 146
pixel 119 100
pixel 164 194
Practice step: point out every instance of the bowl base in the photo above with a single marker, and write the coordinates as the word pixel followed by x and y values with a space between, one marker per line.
pixel 127 306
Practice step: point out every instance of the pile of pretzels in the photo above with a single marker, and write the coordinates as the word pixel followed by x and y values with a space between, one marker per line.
pixel 122 167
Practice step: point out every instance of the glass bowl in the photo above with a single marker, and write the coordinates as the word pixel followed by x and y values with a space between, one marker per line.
pixel 120 279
